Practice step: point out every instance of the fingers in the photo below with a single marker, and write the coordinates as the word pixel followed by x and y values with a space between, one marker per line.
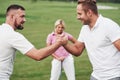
pixel 62 39
pixel 61 58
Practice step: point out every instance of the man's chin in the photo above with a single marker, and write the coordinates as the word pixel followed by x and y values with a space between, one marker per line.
pixel 20 27
pixel 84 23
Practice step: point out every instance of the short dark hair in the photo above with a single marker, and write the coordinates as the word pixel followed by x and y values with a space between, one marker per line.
pixel 90 1
pixel 89 4
pixel 14 7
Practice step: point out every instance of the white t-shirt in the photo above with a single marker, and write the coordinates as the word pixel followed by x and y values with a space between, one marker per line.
pixel 103 55
pixel 10 41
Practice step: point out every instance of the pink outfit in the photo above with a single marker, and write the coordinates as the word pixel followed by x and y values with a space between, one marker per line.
pixel 60 52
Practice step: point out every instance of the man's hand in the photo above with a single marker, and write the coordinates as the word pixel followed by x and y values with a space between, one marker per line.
pixel 62 39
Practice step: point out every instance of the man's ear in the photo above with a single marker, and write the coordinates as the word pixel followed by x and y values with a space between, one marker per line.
pixel 13 14
pixel 13 17
pixel 89 13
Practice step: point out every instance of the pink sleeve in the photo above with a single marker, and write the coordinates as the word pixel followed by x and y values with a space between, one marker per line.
pixel 69 36
pixel 49 39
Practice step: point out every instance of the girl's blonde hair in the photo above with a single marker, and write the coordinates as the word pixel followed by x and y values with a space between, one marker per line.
pixel 59 21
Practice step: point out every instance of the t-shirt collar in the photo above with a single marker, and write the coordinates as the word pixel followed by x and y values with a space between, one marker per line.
pixel 53 33
pixel 97 22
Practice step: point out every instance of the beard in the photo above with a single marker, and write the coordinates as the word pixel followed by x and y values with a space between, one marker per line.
pixel 20 27
pixel 85 22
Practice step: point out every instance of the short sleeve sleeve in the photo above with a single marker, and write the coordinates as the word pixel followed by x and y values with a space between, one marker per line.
pixel 49 40
pixel 114 32
pixel 69 36
pixel 19 42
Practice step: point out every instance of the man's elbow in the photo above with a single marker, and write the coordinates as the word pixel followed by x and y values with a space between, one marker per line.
pixel 36 57
pixel 39 58
pixel 76 54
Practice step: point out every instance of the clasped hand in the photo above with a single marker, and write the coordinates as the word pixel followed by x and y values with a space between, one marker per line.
pixel 63 40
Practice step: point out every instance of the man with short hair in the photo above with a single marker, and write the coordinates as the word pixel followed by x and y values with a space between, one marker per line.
pixel 10 41
pixel 101 38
